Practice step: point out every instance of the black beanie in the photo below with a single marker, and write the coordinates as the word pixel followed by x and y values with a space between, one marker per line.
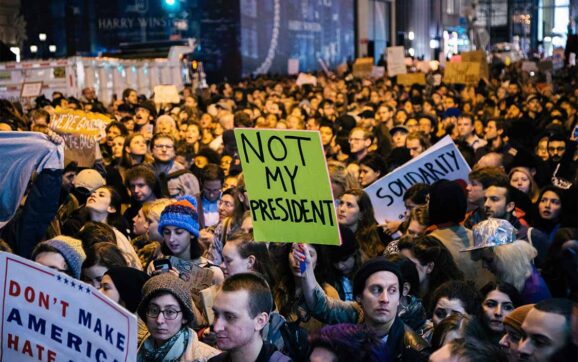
pixel 373 266
pixel 128 283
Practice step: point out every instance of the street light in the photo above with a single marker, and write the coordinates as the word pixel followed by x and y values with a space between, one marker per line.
pixel 42 37
pixel 411 35
pixel 33 49
pixel 52 48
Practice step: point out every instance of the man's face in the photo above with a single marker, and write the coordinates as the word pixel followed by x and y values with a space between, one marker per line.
pixel 449 103
pixel 465 127
pixel 132 98
pixel 234 327
pixel 68 179
pixel 491 131
pixel 495 202
pixel 414 147
pixel 212 190
pixel 534 106
pixel 380 298
pixel 89 94
pixel 556 150
pixel 357 142
pixel 142 116
pixel 475 192
pixel 163 150
pixel 425 126
pixel 544 334
pixel 512 89
pixel 383 114
pixel 140 190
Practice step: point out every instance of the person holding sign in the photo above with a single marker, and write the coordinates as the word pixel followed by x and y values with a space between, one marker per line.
pixel 167 309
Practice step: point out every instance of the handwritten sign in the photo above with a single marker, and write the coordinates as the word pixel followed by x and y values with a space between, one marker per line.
pixel 411 79
pixel 462 73
pixel 288 186
pixel 395 61
pixel 441 161
pixel 166 94
pixel 49 316
pixel 81 132
pixel 31 89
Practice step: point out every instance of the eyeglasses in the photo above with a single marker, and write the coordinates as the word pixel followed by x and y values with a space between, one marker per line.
pixel 169 314
pixel 166 147
pixel 353 139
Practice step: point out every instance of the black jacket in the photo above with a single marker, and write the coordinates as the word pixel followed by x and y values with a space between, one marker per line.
pixel 268 354
pixel 405 344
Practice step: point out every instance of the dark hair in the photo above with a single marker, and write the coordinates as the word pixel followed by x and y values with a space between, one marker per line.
pixel 126 92
pixel 147 174
pixel 465 292
pixel 475 350
pixel 408 271
pixel 505 288
pixel 242 119
pixel 260 299
pixel 93 232
pixel 350 342
pixel 121 127
pixel 489 176
pixel 162 135
pixel 239 208
pixel 428 249
pixel 447 202
pixel 246 247
pixel 366 233
pixel 212 172
pixel 375 162
pixel 417 193
pixel 114 218
pixel 104 254
pixel 126 160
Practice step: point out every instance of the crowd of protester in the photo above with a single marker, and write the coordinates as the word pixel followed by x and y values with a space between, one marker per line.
pixel 478 271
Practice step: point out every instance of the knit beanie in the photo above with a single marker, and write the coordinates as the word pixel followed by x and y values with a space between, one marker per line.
pixel 517 316
pixel 71 250
pixel 373 266
pixel 128 282
pixel 167 283
pixel 182 214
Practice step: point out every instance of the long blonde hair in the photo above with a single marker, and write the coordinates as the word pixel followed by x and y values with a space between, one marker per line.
pixel 514 262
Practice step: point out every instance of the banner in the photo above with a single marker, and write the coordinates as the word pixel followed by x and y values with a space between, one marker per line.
pixel 288 186
pixel 166 94
pixel 462 73
pixel 411 79
pixel 82 132
pixel 49 316
pixel 395 61
pixel 441 161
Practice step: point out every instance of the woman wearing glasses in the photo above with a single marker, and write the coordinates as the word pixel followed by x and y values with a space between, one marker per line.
pixel 167 310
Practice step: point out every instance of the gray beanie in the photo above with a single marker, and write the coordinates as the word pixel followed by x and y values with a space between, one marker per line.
pixel 70 248
pixel 167 283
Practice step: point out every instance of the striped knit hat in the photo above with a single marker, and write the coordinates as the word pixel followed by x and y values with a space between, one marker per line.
pixel 182 214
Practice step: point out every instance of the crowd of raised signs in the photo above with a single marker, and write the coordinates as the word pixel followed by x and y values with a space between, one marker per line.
pixel 483 269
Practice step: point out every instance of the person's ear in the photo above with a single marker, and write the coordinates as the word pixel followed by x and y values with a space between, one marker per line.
pixel 429 267
pixel 251 262
pixel 111 209
pixel 510 206
pixel 261 320
pixel 406 289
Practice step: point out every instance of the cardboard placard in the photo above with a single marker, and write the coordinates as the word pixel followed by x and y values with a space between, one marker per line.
pixel 378 72
pixel 166 94
pixel 462 73
pixel 362 67
pixel 49 316
pixel 478 56
pixel 303 79
pixel 82 132
pixel 441 161
pixel 411 79
pixel 395 61
pixel 292 66
pixel 287 181
pixel 528 66
pixel 30 90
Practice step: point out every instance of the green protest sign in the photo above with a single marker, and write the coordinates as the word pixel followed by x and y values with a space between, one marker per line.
pixel 288 186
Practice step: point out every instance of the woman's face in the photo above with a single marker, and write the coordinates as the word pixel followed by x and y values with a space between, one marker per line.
pixel 164 126
pixel 117 145
pixel 226 164
pixel 326 135
pixel 550 206
pixel 226 206
pixel 496 306
pixel 295 265
pixel 111 134
pixel 423 271
pixel 100 200
pixel 178 241
pixel 138 146
pixel 108 288
pixel 345 266
pixel 348 213
pixel 520 181
pixel 161 328
pixel 93 275
pixel 233 263
pixel 140 223
pixel 367 175
pixel 193 134
pixel 446 307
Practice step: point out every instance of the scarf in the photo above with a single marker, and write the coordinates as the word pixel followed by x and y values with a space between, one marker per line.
pixel 170 351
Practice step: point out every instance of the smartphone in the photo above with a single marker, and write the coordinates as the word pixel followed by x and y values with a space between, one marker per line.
pixel 163 265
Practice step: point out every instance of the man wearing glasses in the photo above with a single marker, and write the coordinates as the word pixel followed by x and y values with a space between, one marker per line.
pixel 359 143
pixel 175 180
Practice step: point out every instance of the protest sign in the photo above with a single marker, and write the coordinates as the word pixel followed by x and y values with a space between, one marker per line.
pixel 411 79
pixel 166 94
pixel 441 161
pixel 528 66
pixel 81 132
pixel 49 316
pixel 395 61
pixel 362 67
pixel 292 66
pixel 30 89
pixel 462 73
pixel 303 79
pixel 378 72
pixel 288 186
pixel 478 56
